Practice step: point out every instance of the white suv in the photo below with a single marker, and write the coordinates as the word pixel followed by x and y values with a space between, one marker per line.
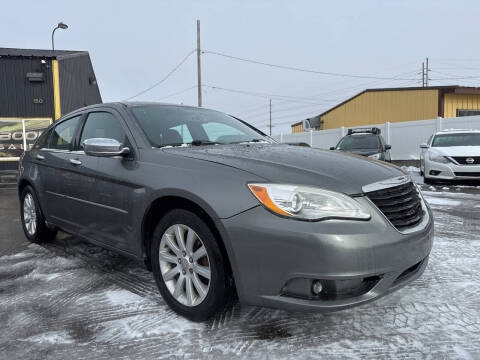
pixel 451 155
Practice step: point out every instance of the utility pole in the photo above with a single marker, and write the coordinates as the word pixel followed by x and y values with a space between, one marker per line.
pixel 423 74
pixel 199 67
pixel 426 73
pixel 270 126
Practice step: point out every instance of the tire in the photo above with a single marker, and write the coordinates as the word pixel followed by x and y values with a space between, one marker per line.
pixel 33 221
pixel 183 272
pixel 428 181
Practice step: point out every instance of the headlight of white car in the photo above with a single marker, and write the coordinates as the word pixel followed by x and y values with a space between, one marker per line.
pixel 375 156
pixel 308 203
pixel 436 157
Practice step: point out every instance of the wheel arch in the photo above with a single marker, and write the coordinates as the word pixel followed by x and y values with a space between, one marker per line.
pixel 22 184
pixel 161 206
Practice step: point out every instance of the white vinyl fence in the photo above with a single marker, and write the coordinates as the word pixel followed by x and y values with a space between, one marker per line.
pixel 405 137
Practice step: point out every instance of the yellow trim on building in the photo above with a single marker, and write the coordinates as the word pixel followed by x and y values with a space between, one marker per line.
pixel 454 102
pixel 26 118
pixel 56 90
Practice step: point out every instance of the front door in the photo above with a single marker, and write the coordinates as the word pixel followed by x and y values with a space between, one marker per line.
pixel 99 188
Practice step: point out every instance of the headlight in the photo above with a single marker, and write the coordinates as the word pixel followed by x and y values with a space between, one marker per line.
pixel 308 203
pixel 436 157
pixel 375 156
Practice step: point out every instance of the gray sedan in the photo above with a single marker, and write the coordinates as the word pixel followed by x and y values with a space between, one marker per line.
pixel 218 210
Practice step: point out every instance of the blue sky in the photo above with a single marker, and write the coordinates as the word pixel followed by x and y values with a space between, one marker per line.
pixel 134 44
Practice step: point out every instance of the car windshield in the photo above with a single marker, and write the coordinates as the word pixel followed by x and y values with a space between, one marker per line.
pixel 181 126
pixel 465 139
pixel 359 142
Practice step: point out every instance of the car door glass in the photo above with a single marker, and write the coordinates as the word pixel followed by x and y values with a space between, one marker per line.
pixel 42 141
pixel 61 137
pixel 429 142
pixel 221 132
pixel 103 125
pixel 184 133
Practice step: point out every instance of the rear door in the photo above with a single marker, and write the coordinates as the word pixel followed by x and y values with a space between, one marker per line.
pixel 49 155
pixel 101 190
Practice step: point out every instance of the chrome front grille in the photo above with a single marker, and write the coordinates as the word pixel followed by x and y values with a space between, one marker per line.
pixel 401 205
pixel 467 160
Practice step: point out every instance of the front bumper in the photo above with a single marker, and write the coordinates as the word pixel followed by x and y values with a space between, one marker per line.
pixel 451 171
pixel 270 252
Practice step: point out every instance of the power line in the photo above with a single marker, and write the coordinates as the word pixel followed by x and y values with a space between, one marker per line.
pixel 253 109
pixel 292 108
pixel 179 92
pixel 165 78
pixel 293 68
pixel 454 77
pixel 286 98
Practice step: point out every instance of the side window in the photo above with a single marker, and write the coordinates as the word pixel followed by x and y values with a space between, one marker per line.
pixel 429 142
pixel 42 141
pixel 61 136
pixel 183 132
pixel 221 132
pixel 103 125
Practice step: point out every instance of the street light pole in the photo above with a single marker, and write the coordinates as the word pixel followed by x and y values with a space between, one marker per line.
pixel 199 66
pixel 60 25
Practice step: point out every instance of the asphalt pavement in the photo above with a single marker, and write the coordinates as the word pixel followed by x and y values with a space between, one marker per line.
pixel 70 299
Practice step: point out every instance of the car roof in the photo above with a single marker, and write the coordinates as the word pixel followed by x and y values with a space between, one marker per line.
pixel 456 131
pixel 131 104
pixel 364 134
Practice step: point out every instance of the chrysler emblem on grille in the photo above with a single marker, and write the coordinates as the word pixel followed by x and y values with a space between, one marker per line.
pixel 469 160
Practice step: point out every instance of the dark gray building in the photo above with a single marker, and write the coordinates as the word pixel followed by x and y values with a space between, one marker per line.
pixel 36 88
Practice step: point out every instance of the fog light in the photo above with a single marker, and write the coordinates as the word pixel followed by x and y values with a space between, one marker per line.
pixel 435 172
pixel 317 287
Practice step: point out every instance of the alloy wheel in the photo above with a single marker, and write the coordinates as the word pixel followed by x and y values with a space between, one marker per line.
pixel 30 214
pixel 184 265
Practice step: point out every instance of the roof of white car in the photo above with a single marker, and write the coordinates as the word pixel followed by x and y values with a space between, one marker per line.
pixel 456 131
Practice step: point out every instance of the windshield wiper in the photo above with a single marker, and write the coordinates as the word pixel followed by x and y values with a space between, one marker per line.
pixel 204 142
pixel 173 145
pixel 250 141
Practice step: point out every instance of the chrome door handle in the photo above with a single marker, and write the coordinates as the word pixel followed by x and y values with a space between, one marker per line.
pixel 75 162
pixel 40 157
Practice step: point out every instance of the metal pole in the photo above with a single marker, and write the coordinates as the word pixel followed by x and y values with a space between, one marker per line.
pixel 423 74
pixel 53 33
pixel 270 126
pixel 24 133
pixel 199 67
pixel 426 74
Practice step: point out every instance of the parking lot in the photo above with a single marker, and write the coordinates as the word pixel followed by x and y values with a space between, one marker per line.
pixel 69 299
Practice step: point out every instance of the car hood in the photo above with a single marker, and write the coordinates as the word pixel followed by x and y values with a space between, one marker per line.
pixel 332 170
pixel 458 150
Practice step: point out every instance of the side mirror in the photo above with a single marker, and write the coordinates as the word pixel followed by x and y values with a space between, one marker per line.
pixel 104 147
pixel 332 147
pixel 388 147
pixel 424 146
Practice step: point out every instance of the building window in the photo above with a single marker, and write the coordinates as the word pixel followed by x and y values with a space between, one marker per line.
pixel 461 112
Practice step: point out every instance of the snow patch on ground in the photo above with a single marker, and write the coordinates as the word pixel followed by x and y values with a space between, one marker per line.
pixel 442 201
pixel 52 337
pixel 122 297
pixel 411 169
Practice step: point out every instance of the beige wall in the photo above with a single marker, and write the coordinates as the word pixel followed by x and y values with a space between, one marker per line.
pixel 452 102
pixel 297 128
pixel 380 106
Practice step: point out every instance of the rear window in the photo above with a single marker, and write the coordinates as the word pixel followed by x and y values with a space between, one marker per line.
pixel 358 142
pixel 447 140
